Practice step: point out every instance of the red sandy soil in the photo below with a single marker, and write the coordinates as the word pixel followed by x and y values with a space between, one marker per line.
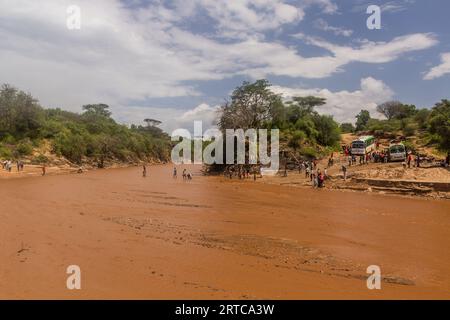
pixel 34 171
pixel 162 238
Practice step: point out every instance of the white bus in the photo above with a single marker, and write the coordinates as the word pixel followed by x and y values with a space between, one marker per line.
pixel 397 152
pixel 363 145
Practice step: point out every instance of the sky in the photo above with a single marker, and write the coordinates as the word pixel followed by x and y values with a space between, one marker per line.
pixel 178 60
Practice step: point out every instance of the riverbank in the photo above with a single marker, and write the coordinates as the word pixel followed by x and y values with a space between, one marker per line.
pixel 31 170
pixel 159 237
pixel 381 178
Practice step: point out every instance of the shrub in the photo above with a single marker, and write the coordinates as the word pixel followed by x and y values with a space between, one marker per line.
pixel 5 152
pixel 40 159
pixel 309 152
pixel 409 130
pixel 24 148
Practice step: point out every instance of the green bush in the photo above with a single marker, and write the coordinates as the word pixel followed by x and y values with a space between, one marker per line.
pixel 24 148
pixel 409 130
pixel 5 152
pixel 8 139
pixel 309 152
pixel 296 140
pixel 409 146
pixel 40 159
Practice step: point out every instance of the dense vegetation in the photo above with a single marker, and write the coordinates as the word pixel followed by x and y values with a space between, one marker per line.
pixel 431 125
pixel 302 130
pixel 92 136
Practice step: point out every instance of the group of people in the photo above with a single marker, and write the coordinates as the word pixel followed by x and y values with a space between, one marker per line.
pixel 409 160
pixel 378 157
pixel 316 176
pixel 241 172
pixel 8 164
pixel 186 175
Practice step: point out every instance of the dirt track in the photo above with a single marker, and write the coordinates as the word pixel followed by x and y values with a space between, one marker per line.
pixel 212 238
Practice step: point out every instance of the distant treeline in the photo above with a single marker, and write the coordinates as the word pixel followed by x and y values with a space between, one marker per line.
pixel 94 136
pixel 91 136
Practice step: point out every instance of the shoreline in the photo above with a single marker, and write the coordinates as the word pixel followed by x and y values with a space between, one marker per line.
pixel 350 186
pixel 36 171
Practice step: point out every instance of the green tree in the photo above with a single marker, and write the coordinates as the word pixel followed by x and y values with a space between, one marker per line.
pixel 20 114
pixel 422 117
pixel 328 130
pixel 396 110
pixel 301 107
pixel 440 124
pixel 99 110
pixel 252 106
pixel 362 119
pixel 152 122
pixel 347 127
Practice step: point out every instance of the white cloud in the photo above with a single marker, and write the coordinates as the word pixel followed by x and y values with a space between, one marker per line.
pixel 344 105
pixel 122 55
pixel 243 17
pixel 377 52
pixel 251 15
pixel 171 118
pixel 324 26
pixel 440 70
pixel 387 7
pixel 396 6
pixel 328 6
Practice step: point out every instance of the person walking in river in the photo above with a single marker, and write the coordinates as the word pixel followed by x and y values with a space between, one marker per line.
pixel 344 172
pixel 174 172
pixel 144 171
pixel 320 180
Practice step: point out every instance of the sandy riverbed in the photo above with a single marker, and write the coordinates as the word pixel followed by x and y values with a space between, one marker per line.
pixel 213 238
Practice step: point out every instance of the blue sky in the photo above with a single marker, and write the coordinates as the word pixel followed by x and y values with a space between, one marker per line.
pixel 178 60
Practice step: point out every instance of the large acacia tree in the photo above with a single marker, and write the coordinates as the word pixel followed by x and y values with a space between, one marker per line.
pixel 252 105
pixel 396 110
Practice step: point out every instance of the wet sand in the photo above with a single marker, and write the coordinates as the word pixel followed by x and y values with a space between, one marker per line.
pixel 161 238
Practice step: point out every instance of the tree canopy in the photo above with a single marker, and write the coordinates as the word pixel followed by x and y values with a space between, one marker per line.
pixel 254 105
pixel 440 123
pixel 362 118
pixel 396 110
pixel 90 136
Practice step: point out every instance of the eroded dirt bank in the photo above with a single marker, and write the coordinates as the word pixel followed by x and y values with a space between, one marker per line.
pixel 160 237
